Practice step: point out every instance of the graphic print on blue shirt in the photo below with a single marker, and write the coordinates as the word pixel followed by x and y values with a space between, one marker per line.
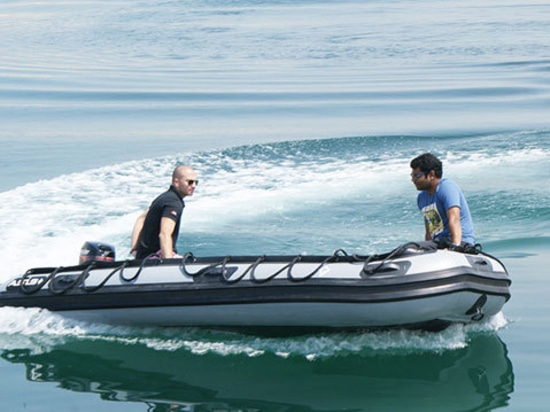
pixel 433 219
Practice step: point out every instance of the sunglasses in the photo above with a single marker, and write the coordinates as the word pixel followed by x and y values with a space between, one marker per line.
pixel 418 175
pixel 192 182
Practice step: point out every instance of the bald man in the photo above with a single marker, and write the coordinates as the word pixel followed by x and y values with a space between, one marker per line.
pixel 156 230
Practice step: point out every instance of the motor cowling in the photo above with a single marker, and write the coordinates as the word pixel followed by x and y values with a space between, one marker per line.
pixel 97 251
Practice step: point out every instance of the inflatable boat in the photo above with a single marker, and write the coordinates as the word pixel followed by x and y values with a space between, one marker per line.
pixel 416 285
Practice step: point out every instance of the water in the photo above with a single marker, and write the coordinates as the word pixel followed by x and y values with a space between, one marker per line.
pixel 301 118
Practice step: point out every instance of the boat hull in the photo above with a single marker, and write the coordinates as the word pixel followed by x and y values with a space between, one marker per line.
pixel 411 288
pixel 428 313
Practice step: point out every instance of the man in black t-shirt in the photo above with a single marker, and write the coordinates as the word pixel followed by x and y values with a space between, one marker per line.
pixel 157 228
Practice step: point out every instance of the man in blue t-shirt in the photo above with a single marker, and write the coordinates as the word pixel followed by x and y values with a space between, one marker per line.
pixel 156 229
pixel 446 214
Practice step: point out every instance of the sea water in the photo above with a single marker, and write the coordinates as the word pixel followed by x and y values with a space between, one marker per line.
pixel 301 118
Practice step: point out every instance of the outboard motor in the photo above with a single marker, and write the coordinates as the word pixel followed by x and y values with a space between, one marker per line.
pixel 96 251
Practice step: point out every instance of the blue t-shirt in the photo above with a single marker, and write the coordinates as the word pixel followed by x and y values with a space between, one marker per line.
pixel 434 208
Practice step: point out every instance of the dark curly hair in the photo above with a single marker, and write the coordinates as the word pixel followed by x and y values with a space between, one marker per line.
pixel 427 162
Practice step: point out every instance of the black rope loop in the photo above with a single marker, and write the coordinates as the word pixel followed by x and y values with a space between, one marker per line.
pixel 77 281
pixel 136 275
pixel 200 272
pixel 473 249
pixel 120 268
pixel 251 268
pixel 254 279
pixel 354 257
pixel 393 254
pixel 31 290
pixel 340 252
pixel 312 273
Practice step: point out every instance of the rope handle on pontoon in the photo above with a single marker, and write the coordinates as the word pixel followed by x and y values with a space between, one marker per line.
pixel 329 259
pixel 83 275
pixel 251 269
pixel 204 270
pixel 28 290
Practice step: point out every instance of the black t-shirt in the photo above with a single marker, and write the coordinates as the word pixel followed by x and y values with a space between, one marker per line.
pixel 169 204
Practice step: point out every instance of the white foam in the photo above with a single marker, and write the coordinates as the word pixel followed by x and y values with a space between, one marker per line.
pixel 40 330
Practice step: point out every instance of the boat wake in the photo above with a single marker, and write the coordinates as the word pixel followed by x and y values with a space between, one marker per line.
pixel 41 331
